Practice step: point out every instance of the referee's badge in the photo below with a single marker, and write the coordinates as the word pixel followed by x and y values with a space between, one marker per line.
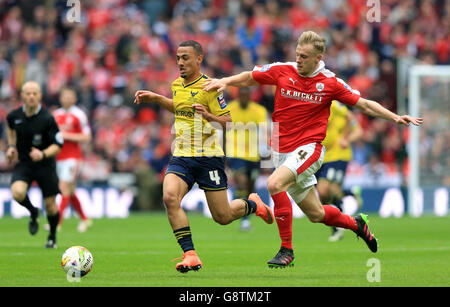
pixel 37 140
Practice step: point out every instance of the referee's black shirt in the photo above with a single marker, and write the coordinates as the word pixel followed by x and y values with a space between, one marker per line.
pixel 39 130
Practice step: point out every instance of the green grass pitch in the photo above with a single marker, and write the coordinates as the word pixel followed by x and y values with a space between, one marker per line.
pixel 137 251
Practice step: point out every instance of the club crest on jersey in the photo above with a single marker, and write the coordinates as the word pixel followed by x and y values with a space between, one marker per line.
pixel 320 86
pixel 222 102
pixel 192 99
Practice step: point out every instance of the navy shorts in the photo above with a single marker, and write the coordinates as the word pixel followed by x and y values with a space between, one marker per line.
pixel 208 172
pixel 333 171
pixel 249 168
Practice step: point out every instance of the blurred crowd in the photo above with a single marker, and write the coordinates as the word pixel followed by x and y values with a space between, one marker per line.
pixel 108 49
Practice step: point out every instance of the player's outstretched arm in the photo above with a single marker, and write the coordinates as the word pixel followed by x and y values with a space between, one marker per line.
pixel 375 109
pixel 149 97
pixel 240 80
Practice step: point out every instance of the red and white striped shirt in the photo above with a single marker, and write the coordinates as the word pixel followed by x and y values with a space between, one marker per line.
pixel 72 120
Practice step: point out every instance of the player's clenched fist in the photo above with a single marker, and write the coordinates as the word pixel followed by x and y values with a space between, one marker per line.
pixel 36 155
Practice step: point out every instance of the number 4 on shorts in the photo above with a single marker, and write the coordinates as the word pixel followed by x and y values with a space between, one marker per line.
pixel 214 176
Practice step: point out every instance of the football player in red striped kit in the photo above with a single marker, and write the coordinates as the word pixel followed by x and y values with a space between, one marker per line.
pixel 304 92
pixel 73 123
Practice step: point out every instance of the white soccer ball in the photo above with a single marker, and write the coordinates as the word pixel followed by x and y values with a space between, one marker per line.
pixel 77 261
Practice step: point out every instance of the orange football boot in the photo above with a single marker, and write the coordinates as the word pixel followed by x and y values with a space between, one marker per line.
pixel 190 262
pixel 262 210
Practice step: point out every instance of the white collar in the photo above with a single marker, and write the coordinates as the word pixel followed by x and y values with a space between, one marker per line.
pixel 319 68
pixel 35 112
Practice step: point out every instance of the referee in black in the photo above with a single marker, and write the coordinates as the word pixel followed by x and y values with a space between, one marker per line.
pixel 34 140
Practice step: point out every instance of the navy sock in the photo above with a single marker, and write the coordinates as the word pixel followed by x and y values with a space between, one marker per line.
pixel 184 238
pixel 250 206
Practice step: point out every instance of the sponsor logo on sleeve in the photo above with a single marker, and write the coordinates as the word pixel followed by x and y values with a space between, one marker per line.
pixel 345 84
pixel 222 102
pixel 262 68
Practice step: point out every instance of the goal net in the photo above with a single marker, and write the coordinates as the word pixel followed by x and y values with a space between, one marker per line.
pixel 429 145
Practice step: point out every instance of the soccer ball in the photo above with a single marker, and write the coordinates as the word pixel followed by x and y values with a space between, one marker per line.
pixel 77 261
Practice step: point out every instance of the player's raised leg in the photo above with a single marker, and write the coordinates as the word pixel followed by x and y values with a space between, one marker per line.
pixel 242 191
pixel 332 216
pixel 174 189
pixel 225 212
pixel 19 191
pixel 327 196
pixel 337 200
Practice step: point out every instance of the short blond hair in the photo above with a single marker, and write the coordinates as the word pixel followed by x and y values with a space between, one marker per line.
pixel 312 38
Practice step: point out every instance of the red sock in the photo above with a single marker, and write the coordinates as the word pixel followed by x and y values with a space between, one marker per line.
pixel 65 200
pixel 77 206
pixel 334 217
pixel 283 216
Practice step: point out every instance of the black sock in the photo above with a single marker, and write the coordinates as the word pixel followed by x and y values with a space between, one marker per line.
pixel 250 206
pixel 184 238
pixel 27 204
pixel 53 222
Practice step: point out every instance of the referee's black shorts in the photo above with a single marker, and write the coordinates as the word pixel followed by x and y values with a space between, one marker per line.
pixel 44 175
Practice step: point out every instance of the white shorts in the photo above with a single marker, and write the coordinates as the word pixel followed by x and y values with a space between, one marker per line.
pixel 304 162
pixel 68 169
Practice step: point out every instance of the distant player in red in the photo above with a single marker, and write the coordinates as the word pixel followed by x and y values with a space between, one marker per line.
pixel 73 123
pixel 304 92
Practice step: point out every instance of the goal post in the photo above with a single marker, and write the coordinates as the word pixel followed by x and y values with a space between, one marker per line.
pixel 429 97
